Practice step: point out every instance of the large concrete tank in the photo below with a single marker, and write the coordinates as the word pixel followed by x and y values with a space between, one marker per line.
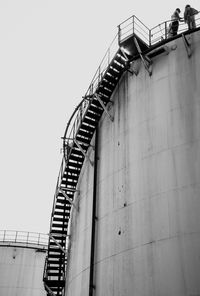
pixel 147 240
pixel 22 257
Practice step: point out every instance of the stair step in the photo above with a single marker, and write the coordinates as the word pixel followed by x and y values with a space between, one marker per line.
pixel 93 115
pixel 58 231
pixel 74 164
pixel 85 133
pixel 53 283
pixel 53 273
pixel 76 151
pixel 111 78
pixel 68 193
pixel 114 72
pixel 72 171
pixel 69 183
pixel 95 109
pixel 90 121
pixel 56 219
pixel 83 140
pixel 61 207
pixel 56 256
pixel 118 65
pixel 70 176
pixel 55 250
pixel 76 157
pixel 64 214
pixel 105 91
pixel 63 200
pixel 90 129
pixel 59 225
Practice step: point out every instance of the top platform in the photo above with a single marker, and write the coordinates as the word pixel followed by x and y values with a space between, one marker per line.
pixel 147 38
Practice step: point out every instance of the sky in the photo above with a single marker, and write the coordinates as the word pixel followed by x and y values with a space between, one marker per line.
pixel 49 52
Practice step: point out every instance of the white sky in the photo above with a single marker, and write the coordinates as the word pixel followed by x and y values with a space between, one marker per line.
pixel 49 52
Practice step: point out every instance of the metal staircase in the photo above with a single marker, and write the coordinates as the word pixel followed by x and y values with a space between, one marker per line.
pixel 75 147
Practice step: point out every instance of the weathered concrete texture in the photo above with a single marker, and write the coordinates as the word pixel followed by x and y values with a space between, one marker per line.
pixel 148 201
pixel 21 271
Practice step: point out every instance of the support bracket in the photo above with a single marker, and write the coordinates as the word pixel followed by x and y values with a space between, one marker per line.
pixel 60 247
pixel 69 189
pixel 85 154
pixel 50 292
pixel 124 54
pixel 187 44
pixel 68 198
pixel 146 61
pixel 104 107
pixel 127 66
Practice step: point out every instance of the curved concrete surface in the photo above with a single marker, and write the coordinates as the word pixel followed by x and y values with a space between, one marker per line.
pixel 148 186
pixel 21 268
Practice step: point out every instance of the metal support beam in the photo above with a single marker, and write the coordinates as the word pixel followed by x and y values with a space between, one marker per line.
pixel 104 107
pixel 127 63
pixel 85 154
pixel 72 139
pixel 55 241
pixel 146 61
pixel 69 189
pixel 187 44
pixel 68 198
pixel 50 292
pixel 124 54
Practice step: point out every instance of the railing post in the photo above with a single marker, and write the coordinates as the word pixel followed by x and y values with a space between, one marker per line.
pixel 27 237
pixel 133 23
pixel 108 57
pixel 119 35
pixel 99 75
pixel 4 235
pixel 16 236
pixel 165 30
pixel 149 37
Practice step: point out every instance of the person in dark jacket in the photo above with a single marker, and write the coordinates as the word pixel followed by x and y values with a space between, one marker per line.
pixel 175 22
pixel 189 16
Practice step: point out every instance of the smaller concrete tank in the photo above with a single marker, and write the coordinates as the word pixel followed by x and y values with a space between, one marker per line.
pixel 22 257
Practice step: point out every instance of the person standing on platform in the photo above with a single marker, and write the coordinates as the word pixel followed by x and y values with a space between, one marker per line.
pixel 189 16
pixel 175 21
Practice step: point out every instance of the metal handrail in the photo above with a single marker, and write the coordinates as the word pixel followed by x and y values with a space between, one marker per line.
pixel 80 111
pixel 23 237
pixel 131 26
pixel 149 36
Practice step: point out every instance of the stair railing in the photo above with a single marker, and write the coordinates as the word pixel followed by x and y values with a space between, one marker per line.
pixel 131 26
pixel 24 237
pixel 76 119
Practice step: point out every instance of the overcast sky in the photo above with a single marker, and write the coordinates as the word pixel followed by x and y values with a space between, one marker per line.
pixel 49 52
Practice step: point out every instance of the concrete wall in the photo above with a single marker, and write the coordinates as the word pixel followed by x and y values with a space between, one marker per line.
pixel 21 271
pixel 148 201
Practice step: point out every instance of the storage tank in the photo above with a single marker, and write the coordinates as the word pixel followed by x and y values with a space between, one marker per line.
pixel 22 257
pixel 134 227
